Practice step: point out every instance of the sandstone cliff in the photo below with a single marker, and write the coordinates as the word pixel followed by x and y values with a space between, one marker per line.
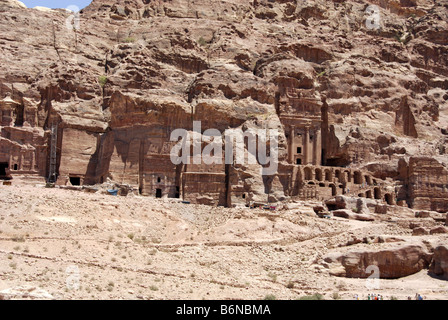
pixel 115 85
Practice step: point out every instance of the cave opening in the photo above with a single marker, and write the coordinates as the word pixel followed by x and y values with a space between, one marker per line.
pixel 75 181
pixel 3 167
pixel 377 193
pixel 333 190
pixel 158 193
pixel 388 198
pixel 342 162
pixel 357 177
pixel 20 116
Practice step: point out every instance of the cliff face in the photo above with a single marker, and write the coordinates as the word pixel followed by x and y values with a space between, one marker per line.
pixel 348 90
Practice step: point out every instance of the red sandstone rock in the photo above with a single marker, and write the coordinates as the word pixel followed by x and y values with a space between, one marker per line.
pixel 361 113
pixel 419 231
pixel 351 215
pixel 439 264
pixel 438 230
pixel 393 262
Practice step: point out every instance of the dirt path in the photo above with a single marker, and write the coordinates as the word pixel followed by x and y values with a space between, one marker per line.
pixel 143 248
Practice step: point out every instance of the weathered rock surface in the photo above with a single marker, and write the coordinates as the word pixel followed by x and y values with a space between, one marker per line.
pixel 371 105
pixel 25 293
pixel 439 264
pixel 439 229
pixel 419 231
pixel 348 214
pixel 393 262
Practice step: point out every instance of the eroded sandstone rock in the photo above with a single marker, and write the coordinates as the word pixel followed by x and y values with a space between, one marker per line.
pixel 439 264
pixel 360 113
pixel 393 262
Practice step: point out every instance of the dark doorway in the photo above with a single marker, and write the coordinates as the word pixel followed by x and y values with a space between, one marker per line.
pixel 388 198
pixel 75 181
pixel 299 150
pixel 318 174
pixel 299 161
pixel 158 179
pixel 158 193
pixel 333 190
pixel 377 193
pixel 338 174
pixel 357 177
pixel 308 173
pixel 177 193
pixel 16 167
pixel 3 167
pixel 19 117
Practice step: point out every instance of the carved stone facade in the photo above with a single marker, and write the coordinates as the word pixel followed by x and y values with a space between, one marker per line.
pixel 23 146
pixel 427 184
pixel 300 115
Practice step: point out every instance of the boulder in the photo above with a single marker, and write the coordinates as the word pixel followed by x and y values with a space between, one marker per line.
pixel 419 231
pixel 422 214
pixel 393 262
pixel 348 214
pixel 439 229
pixel 439 264
pixel 25 292
pixel 344 202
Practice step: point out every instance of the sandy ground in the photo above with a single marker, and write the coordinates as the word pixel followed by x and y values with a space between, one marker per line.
pixel 66 244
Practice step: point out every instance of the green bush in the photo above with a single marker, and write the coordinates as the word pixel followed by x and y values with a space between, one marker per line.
pixel 202 41
pixel 316 296
pixel 102 80
pixel 270 297
pixel 336 296
pixel 129 40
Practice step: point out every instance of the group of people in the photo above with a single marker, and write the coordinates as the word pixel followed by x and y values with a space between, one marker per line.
pixel 374 297
pixel 380 297
pixel 371 297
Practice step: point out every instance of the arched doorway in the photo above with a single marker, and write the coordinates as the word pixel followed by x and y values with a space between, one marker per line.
pixel 328 175
pixel 389 199
pixel 368 180
pixel 377 193
pixel 357 177
pixel 318 174
pixel 348 176
pixel 308 173
pixel 337 173
pixel 334 191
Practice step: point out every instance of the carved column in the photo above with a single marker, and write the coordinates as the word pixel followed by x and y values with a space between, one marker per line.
pixel 292 135
pixel 33 161
pixel 318 146
pixel 306 145
pixel 314 146
pixel 22 160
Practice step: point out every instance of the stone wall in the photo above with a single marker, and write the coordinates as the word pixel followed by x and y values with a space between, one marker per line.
pixel 427 184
